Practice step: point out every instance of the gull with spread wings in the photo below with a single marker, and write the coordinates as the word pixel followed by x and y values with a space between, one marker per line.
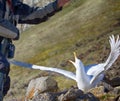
pixel 86 77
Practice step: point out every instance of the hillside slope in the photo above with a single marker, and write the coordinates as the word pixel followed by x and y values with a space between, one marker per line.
pixel 82 26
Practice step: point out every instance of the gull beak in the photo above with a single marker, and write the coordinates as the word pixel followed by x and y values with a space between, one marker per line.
pixel 71 62
pixel 75 56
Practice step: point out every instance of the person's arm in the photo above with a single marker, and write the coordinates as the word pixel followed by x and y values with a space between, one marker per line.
pixel 8 30
pixel 32 15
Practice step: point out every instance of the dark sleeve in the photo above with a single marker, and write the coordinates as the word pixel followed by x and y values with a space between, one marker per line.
pixel 8 30
pixel 34 15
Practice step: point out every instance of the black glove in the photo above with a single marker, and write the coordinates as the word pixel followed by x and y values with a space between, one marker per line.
pixel 18 35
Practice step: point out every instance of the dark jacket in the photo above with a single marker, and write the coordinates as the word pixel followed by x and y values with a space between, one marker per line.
pixel 22 13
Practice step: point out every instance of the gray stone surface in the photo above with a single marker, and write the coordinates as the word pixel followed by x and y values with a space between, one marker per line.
pixel 40 85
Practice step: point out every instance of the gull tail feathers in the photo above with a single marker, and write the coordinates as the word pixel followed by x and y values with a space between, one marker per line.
pixel 115 51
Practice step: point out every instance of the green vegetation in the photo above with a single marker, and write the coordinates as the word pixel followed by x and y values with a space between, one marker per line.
pixel 82 26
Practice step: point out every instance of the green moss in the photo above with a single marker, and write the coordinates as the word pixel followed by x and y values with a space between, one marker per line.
pixel 107 97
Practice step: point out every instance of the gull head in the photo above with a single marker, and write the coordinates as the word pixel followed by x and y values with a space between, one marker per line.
pixel 77 62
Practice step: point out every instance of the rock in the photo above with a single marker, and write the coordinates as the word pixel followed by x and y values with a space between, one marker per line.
pixel 113 82
pixel 90 97
pixel 117 98
pixel 72 94
pixel 113 74
pixel 45 97
pixel 40 85
pixel 112 85
pixel 76 95
pixel 117 90
pixel 48 96
pixel 45 89
pixel 98 91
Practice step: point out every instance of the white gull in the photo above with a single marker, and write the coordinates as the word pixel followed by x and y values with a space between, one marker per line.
pixel 86 77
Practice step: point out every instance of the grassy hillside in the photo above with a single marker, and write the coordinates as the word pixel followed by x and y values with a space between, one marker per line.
pixel 82 26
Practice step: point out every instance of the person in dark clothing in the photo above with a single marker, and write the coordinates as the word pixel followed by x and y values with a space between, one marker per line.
pixel 13 12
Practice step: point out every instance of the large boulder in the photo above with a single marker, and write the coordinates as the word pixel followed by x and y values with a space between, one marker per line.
pixel 40 85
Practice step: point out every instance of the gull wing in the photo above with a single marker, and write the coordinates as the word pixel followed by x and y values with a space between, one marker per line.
pixel 97 75
pixel 60 71
pixel 96 70
pixel 97 79
pixel 115 51
pixel 93 69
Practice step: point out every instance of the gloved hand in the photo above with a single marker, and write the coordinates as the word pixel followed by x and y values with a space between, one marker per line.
pixel 62 2
pixel 18 36
pixel 8 30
